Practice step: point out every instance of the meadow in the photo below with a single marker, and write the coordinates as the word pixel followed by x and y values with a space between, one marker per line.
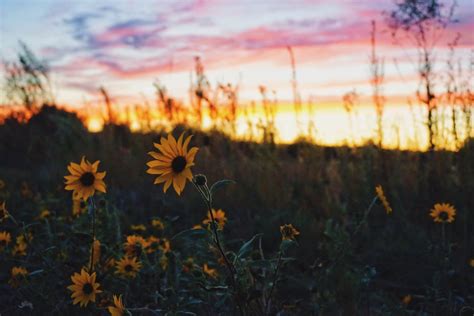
pixel 297 229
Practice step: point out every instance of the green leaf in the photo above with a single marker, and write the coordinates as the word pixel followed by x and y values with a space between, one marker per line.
pixel 219 184
pixel 191 233
pixel 247 247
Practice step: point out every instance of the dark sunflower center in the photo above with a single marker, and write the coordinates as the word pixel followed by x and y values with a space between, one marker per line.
pixel 128 268
pixel 87 288
pixel 178 164
pixel 444 216
pixel 87 179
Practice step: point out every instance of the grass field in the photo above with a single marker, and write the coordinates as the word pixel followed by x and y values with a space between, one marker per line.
pixel 350 250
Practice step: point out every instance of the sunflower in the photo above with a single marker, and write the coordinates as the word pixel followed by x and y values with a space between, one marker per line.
pixel 134 245
pixel 84 179
pixel 84 288
pixel 383 199
pixel 3 211
pixel 158 224
pixel 22 244
pixel 79 207
pixel 2 184
pixel 153 244
pixel 406 299
pixel 5 239
pixel 443 213
pixel 17 274
pixel 288 232
pixel 128 267
pixel 44 214
pixel 165 245
pixel 173 162
pixel 209 271
pixel 118 309
pixel 219 217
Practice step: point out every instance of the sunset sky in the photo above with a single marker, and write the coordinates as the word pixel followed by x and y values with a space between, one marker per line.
pixel 126 45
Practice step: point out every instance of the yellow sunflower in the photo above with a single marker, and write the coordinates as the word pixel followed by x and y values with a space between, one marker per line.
pixel 5 239
pixel 443 213
pixel 79 207
pixel 22 244
pixel 118 309
pixel 84 288
pixel 173 162
pixel 153 244
pixel 17 275
pixel 84 179
pixel 288 232
pixel 383 199
pixel 219 217
pixel 44 214
pixel 128 267
pixel 135 245
pixel 158 224
pixel 209 271
pixel 139 227
pixel 3 211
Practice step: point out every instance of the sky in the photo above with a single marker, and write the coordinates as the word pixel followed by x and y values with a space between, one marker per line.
pixel 126 45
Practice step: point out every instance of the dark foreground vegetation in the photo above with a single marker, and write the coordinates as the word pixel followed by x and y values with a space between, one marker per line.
pixel 351 256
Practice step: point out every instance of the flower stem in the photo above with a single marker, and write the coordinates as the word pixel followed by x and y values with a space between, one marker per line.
pixel 92 210
pixel 275 277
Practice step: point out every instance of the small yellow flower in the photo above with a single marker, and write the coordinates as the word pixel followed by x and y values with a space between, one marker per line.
pixel 22 244
pixel 95 252
pixel 443 213
pixel 79 207
pixel 197 226
pixel 153 244
pixel 44 214
pixel 165 245
pixel 209 271
pixel 173 162
pixel 138 227
pixel 2 184
pixel 128 267
pixel 5 239
pixel 288 232
pixel 84 288
pixel 158 224
pixel 383 199
pixel 118 309
pixel 3 211
pixel 219 217
pixel 84 179
pixel 406 299
pixel 135 245
pixel 17 275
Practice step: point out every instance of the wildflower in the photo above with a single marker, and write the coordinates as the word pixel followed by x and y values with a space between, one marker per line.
pixel 2 184
pixel 84 288
pixel 138 227
pixel 17 274
pixel 95 252
pixel 219 217
pixel 22 244
pixel 197 226
pixel 135 245
pixel 5 239
pixel 158 224
pixel 383 199
pixel 79 206
pixel 128 267
pixel 173 162
pixel 165 245
pixel 443 213
pixel 3 211
pixel 406 299
pixel 288 232
pixel 153 244
pixel 209 271
pixel 84 179
pixel 118 309
pixel 44 214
